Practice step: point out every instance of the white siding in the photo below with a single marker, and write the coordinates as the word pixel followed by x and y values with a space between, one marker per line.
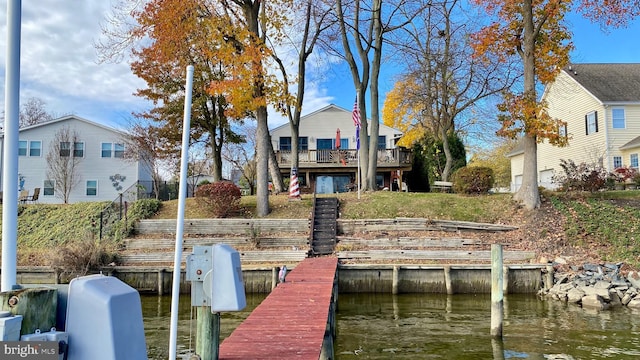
pixel 91 167
pixel 323 124
pixel 517 166
pixel 569 102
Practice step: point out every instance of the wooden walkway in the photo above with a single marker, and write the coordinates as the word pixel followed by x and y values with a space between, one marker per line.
pixel 291 322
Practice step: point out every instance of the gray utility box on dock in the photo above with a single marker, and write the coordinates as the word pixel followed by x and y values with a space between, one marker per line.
pixel 104 320
pixel 215 273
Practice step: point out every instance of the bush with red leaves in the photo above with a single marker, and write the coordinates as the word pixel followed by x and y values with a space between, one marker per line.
pixel 221 197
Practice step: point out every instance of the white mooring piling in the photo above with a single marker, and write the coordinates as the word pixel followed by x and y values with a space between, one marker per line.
pixel 497 291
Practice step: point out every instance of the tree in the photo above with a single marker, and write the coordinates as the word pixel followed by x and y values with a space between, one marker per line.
pixel 33 111
pixel 144 145
pixel 62 162
pixel 360 25
pixel 496 159
pixel 535 32
pixel 314 15
pixel 256 21
pixel 242 157
pixel 443 84
pixel 182 33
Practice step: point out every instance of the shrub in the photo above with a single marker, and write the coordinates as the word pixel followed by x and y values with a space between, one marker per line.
pixel 118 229
pixel 222 198
pixel 81 257
pixel 624 174
pixel 581 177
pixel 472 180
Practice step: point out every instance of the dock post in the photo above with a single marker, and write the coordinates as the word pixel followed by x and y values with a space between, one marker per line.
pixel 497 296
pixel 505 279
pixel 447 279
pixel 161 282
pixel 548 283
pixel 208 333
pixel 274 277
pixel 394 281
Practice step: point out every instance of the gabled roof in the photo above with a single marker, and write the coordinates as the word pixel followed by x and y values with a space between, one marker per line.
pixel 332 107
pixel 70 117
pixel 608 82
pixel 631 144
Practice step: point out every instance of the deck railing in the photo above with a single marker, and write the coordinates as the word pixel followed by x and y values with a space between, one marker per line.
pixel 333 157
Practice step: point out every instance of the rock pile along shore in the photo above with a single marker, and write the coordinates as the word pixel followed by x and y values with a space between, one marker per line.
pixel 595 287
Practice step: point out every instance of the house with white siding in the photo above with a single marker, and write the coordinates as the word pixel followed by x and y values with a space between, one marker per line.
pixel 327 152
pixel 601 105
pixel 102 171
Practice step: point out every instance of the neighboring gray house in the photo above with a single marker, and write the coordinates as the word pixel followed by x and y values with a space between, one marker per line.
pixel 102 172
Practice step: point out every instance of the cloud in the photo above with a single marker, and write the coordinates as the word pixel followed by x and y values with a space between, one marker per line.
pixel 59 65
pixel 59 62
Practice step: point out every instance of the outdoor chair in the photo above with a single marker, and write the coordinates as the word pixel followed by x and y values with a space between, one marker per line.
pixel 23 196
pixel 35 196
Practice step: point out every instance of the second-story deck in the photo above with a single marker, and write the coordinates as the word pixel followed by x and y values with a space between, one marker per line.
pixel 387 158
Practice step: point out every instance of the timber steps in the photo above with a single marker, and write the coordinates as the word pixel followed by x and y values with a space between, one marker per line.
pixel 324 226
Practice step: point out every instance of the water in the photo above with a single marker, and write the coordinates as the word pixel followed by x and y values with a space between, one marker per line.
pixel 430 326
pixel 156 311
pixel 426 326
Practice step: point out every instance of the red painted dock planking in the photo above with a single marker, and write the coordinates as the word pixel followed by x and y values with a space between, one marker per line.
pixel 291 322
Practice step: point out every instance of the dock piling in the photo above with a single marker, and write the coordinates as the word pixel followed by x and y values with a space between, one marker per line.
pixel 497 291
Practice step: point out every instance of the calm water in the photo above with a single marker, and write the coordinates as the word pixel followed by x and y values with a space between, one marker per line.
pixel 425 326
pixel 156 311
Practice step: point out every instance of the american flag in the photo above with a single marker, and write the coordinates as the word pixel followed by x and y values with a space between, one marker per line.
pixel 356 114
pixel 356 122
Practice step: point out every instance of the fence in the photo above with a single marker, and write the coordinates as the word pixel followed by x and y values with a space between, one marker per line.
pixel 166 190
pixel 111 224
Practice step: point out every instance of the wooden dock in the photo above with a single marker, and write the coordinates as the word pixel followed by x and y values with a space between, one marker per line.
pixel 292 322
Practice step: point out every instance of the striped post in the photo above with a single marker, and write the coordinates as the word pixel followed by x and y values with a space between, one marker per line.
pixel 294 187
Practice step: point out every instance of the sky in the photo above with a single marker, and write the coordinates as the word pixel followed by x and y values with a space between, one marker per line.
pixel 59 63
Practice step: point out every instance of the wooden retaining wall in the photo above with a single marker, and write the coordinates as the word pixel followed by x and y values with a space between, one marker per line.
pixel 249 227
pixel 452 279
pixel 414 224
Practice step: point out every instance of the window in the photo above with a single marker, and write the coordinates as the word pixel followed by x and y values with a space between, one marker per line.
pixel 303 143
pixel 591 120
pixel 617 162
pixel 92 187
pixel 22 148
pixel 285 143
pixel 617 116
pixel 382 142
pixel 118 150
pixel 49 188
pixel 65 149
pixel 633 161
pixel 106 150
pixel 562 130
pixel 35 148
pixel 111 150
pixel 78 149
